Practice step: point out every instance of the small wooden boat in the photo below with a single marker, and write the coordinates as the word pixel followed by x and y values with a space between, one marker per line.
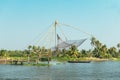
pixel 79 61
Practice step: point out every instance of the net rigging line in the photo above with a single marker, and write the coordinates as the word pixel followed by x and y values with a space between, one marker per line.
pixel 62 32
pixel 33 40
pixel 48 38
pixel 76 28
pixel 68 43
pixel 44 36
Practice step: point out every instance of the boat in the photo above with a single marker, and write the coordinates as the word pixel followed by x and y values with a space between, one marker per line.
pixel 79 61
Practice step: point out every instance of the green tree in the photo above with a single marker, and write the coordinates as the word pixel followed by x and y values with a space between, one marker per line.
pixel 93 40
pixel 73 51
pixel 28 53
pixel 118 46
pixel 4 54
pixel 113 52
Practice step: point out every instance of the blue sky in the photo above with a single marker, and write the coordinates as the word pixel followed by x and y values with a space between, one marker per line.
pixel 22 20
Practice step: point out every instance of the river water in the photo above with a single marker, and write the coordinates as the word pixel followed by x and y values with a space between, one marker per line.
pixel 63 71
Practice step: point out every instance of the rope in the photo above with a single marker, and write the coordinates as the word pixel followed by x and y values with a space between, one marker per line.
pixel 35 39
pixel 43 36
pixel 63 33
pixel 48 37
pixel 76 29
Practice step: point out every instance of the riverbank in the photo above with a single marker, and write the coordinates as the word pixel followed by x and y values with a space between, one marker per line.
pixel 92 59
pixel 57 60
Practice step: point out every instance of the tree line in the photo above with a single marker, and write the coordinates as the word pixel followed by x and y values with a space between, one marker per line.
pixel 34 52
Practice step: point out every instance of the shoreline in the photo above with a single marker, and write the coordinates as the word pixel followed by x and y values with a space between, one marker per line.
pixel 92 59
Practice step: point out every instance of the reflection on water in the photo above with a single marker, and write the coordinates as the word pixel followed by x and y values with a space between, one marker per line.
pixel 67 71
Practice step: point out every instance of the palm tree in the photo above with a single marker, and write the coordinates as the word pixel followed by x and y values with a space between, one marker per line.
pixel 97 47
pixel 84 53
pixel 29 47
pixel 73 51
pixel 113 52
pixel 103 51
pixel 35 51
pixel 38 52
pixel 98 44
pixel 28 53
pixel 118 46
pixel 93 40
pixel 104 48
pixel 3 53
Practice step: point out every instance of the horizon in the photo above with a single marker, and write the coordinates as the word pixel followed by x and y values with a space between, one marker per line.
pixel 23 21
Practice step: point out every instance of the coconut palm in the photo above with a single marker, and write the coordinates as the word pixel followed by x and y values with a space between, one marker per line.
pixel 35 50
pixel 93 40
pixel 73 51
pixel 29 47
pixel 113 52
pixel 4 54
pixel 118 46
pixel 104 48
pixel 97 47
pixel 28 53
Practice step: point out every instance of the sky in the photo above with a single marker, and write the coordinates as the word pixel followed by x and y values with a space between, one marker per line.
pixel 22 20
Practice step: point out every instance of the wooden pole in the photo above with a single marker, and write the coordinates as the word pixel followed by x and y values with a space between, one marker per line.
pixel 55 33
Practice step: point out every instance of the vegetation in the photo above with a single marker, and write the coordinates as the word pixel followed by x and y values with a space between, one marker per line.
pixel 99 51
pixel 35 53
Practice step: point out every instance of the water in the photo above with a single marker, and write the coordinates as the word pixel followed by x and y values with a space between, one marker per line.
pixel 65 71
